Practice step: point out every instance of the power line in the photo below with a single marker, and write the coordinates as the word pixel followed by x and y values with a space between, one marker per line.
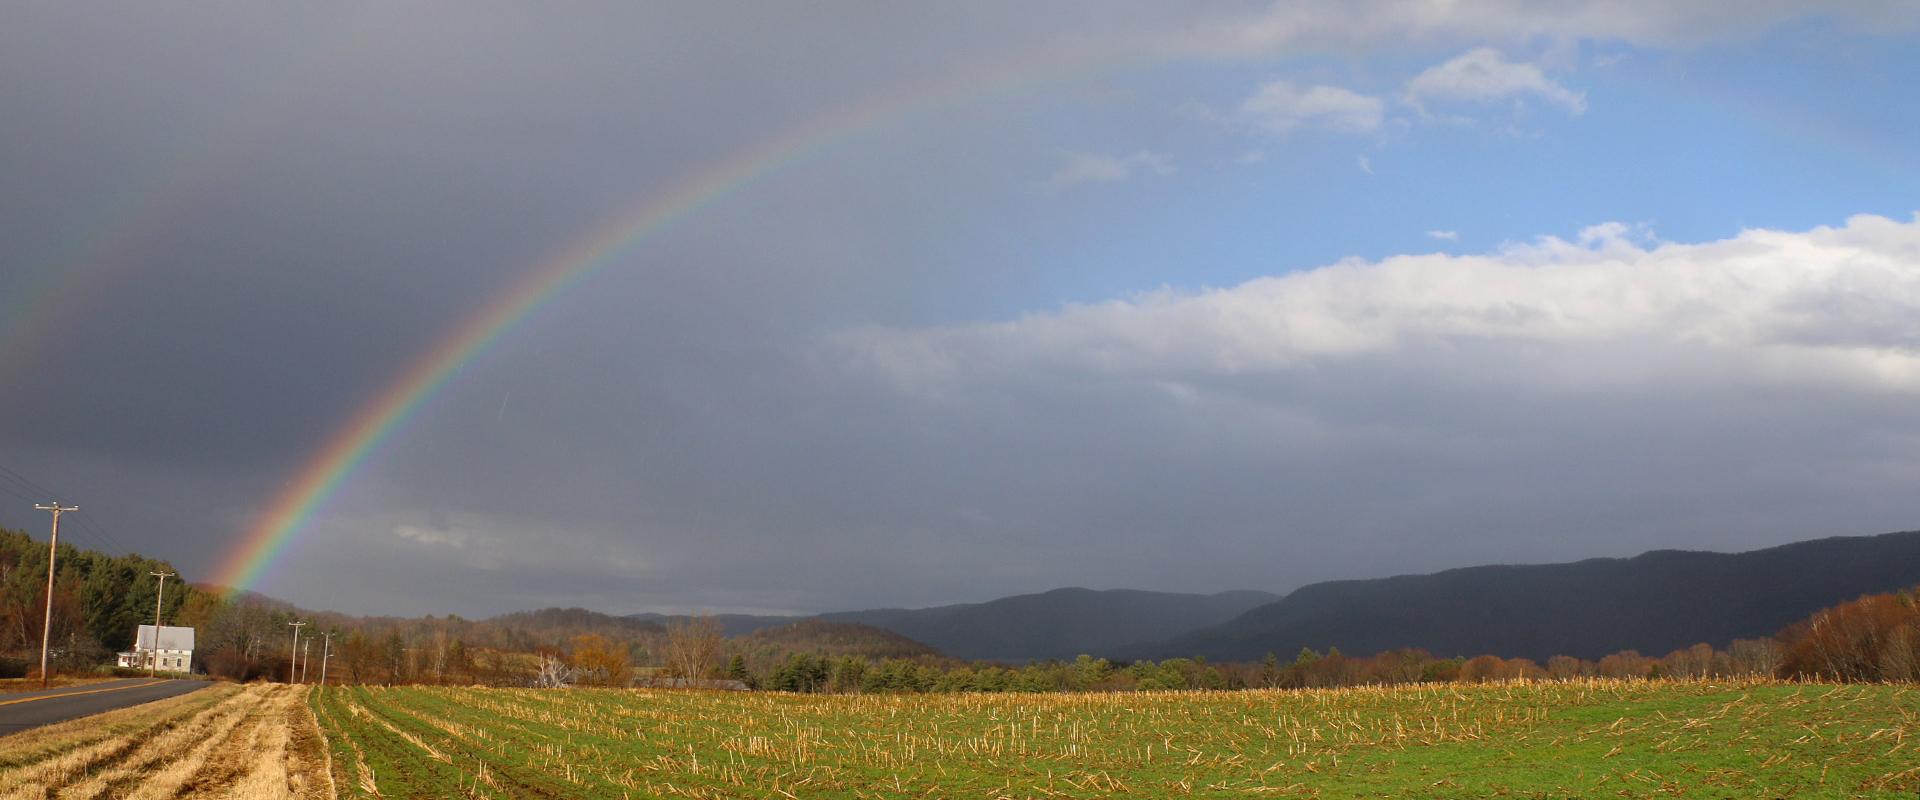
pixel 22 480
pixel 20 488
pixel 26 497
pixel 94 533
pixel 100 534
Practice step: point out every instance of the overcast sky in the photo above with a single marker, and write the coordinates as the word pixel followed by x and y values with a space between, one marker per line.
pixel 1186 297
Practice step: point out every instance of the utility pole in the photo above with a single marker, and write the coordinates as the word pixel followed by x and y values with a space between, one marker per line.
pixel 293 656
pixel 326 652
pixel 153 653
pixel 306 658
pixel 53 545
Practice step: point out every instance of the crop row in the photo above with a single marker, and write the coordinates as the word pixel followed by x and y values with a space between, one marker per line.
pixel 222 741
pixel 1585 737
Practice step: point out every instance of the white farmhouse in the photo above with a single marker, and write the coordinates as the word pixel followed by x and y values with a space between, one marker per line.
pixel 174 650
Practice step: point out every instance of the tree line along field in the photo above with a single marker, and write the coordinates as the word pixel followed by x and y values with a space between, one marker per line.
pixel 1560 739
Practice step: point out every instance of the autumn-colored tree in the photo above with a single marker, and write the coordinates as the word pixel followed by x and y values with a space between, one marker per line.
pixel 1626 664
pixel 1398 666
pixel 1481 669
pixel 459 661
pixel 358 655
pixel 198 608
pixel 1874 638
pixel 599 661
pixel 1565 667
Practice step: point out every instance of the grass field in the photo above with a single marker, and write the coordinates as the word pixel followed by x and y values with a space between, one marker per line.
pixel 1588 739
pixel 223 741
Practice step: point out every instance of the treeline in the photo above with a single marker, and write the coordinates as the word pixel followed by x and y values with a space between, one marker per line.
pixel 250 638
pixel 98 601
pixel 804 672
pixel 1874 638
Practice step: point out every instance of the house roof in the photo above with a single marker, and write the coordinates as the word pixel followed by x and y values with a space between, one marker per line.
pixel 171 638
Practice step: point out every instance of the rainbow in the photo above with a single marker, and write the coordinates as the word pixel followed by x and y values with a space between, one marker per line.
pixel 321 476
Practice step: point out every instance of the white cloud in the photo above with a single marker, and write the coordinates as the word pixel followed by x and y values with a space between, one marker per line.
pixel 1446 236
pixel 1366 164
pixel 1280 107
pixel 1293 26
pixel 430 536
pixel 1097 168
pixel 1484 75
pixel 1597 388
pixel 1830 307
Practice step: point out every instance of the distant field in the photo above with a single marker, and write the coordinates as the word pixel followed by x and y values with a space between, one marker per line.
pixel 223 741
pixel 1611 738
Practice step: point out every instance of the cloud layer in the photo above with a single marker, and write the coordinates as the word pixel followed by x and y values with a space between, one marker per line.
pixel 235 228
pixel 1548 400
pixel 1290 25
pixel 1830 307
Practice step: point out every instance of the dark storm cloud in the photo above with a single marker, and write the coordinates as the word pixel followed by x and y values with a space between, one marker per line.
pixel 268 211
pixel 782 403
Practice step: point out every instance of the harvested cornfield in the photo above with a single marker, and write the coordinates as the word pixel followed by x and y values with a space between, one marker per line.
pixel 1579 739
pixel 224 741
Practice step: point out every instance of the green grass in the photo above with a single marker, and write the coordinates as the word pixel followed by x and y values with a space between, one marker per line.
pixel 1583 739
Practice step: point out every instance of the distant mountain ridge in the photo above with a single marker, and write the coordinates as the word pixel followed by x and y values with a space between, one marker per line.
pixel 1058 624
pixel 1655 602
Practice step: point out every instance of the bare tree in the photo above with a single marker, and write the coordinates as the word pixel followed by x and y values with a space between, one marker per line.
pixel 693 646
pixel 554 673
pixel 1754 656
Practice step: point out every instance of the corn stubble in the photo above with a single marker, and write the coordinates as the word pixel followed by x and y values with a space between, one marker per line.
pixel 224 741
pixel 1582 738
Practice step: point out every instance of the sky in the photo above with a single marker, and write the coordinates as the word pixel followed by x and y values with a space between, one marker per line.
pixel 974 299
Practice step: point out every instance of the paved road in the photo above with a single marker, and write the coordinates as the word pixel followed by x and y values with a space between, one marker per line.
pixel 19 712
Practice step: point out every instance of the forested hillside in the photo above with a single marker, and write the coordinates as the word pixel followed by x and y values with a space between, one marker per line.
pixel 730 624
pixel 1059 624
pixel 98 601
pixel 1652 603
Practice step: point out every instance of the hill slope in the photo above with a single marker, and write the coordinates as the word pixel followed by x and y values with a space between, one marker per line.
pixel 731 625
pixel 821 637
pixel 1060 624
pixel 525 630
pixel 1655 602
